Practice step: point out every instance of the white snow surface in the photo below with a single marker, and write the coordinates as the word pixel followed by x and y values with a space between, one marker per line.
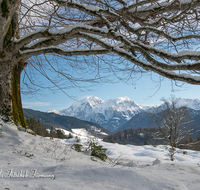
pixel 34 162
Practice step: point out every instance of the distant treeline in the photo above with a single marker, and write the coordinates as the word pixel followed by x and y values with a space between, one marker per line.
pixel 140 136
pixel 39 129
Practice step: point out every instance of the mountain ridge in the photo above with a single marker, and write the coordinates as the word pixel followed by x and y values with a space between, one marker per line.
pixel 113 113
pixel 110 114
pixel 65 122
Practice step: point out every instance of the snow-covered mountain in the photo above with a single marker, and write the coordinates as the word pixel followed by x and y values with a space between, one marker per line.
pixel 185 102
pixel 53 111
pixel 190 103
pixel 111 114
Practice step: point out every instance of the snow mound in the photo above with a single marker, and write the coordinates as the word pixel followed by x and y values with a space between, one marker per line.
pixel 157 161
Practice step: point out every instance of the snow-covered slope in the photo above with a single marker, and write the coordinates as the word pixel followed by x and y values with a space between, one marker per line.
pixel 190 103
pixel 110 114
pixel 185 102
pixel 32 162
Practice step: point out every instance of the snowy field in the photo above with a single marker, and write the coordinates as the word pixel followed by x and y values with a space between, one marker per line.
pixel 37 163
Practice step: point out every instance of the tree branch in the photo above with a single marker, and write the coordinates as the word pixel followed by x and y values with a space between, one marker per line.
pixel 54 49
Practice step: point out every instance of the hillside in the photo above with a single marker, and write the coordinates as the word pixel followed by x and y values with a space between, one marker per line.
pixel 65 122
pixel 144 120
pixel 139 136
pixel 140 129
pixel 141 120
pixel 31 162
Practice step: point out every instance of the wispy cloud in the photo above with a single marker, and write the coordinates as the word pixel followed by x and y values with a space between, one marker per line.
pixel 35 104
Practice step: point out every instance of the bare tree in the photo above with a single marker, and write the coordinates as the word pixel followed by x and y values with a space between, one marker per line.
pixel 174 123
pixel 98 37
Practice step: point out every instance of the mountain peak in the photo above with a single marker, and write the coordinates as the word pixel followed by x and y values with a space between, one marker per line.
pixel 121 99
pixel 113 113
pixel 53 111
pixel 110 113
pixel 94 99
pixel 89 100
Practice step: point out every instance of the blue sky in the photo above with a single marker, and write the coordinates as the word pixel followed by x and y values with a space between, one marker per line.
pixel 143 92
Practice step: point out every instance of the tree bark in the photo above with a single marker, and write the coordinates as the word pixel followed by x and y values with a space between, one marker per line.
pixel 17 111
pixel 5 91
pixel 10 96
pixel 10 67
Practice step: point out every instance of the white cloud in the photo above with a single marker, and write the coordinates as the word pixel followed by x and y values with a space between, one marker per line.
pixel 35 104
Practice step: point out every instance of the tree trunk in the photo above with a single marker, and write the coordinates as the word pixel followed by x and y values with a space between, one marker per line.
pixel 5 91
pixel 17 111
pixel 10 97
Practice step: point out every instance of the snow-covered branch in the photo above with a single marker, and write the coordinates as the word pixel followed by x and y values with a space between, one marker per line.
pixel 145 65
pixel 56 37
pixel 57 50
pixel 158 36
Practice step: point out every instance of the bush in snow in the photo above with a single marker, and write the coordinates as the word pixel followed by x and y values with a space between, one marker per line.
pixel 60 134
pixel 78 139
pixel 70 136
pixel 98 150
pixel 78 147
